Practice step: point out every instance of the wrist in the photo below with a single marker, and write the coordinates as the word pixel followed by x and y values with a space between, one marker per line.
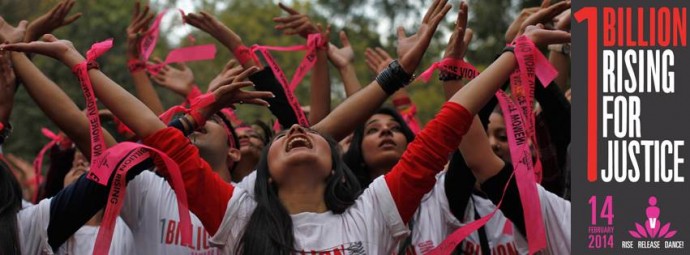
pixel 72 58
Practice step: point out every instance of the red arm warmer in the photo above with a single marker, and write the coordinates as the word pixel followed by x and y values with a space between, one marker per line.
pixel 208 195
pixel 415 173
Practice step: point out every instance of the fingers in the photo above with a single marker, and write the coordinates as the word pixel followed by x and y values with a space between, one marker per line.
pixel 545 3
pixel 343 39
pixel 230 64
pixel 462 15
pixel 22 25
pixel 287 9
pixel 468 36
pixel 437 19
pixel 135 13
pixel 372 56
pixel 49 38
pixel 256 101
pixel 71 19
pixel 383 55
pixel 430 12
pixel 401 33
pixel 246 73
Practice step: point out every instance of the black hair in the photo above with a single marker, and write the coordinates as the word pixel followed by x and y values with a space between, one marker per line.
pixel 10 204
pixel 60 165
pixel 234 137
pixel 354 156
pixel 268 131
pixel 270 230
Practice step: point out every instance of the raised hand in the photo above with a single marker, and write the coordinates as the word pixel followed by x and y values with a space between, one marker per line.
pixel 138 26
pixel 341 57
pixel 230 69
pixel 544 15
pixel 179 80
pixel 50 46
pixel 377 59
pixel 295 23
pixel 11 34
pixel 412 48
pixel 542 37
pixel 461 37
pixel 211 25
pixel 53 19
pixel 514 27
pixel 229 92
pixel 563 21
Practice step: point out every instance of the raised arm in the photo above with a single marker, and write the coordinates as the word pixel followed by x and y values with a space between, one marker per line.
pixel 320 98
pixel 211 25
pixel 427 154
pixel 357 108
pixel 49 97
pixel 342 59
pixel 136 64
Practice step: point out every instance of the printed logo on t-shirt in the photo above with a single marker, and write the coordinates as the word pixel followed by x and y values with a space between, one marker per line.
pixel 354 248
pixel 170 235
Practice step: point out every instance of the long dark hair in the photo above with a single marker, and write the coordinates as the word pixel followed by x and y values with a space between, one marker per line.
pixel 269 230
pixel 10 204
pixel 354 157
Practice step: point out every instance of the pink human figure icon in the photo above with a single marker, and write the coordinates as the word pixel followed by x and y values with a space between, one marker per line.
pixel 652 217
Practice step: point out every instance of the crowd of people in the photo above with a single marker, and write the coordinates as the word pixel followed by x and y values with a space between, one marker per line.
pixel 361 178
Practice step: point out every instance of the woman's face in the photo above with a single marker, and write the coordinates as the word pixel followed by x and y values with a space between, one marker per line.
pixel 383 143
pixel 299 148
pixel 251 142
pixel 497 136
pixel 80 165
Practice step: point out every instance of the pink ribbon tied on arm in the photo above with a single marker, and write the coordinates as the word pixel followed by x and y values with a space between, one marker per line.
pixel 455 66
pixel 120 158
pixel 38 161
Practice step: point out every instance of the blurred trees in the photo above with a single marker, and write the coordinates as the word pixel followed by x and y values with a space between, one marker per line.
pixel 368 23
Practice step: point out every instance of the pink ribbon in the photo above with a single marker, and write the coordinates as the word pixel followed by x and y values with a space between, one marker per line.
pixel 150 38
pixel 521 157
pixel 453 240
pixel 520 129
pixel 38 161
pixel 456 66
pixel 314 41
pixel 104 162
pixel 185 54
pixel 409 117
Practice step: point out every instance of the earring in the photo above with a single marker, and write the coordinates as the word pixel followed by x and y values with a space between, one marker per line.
pixel 270 180
pixel 332 172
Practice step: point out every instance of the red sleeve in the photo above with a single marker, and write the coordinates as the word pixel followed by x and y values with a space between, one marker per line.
pixel 415 173
pixel 208 195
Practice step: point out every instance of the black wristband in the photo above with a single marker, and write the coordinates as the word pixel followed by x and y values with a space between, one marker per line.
pixel 393 78
pixel 509 48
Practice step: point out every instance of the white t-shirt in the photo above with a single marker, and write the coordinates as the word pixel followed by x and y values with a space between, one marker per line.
pixel 434 222
pixel 371 226
pixel 33 234
pixel 150 210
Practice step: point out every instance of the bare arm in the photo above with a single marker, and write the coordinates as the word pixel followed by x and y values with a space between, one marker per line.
pixel 56 104
pixel 320 88
pixel 142 85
